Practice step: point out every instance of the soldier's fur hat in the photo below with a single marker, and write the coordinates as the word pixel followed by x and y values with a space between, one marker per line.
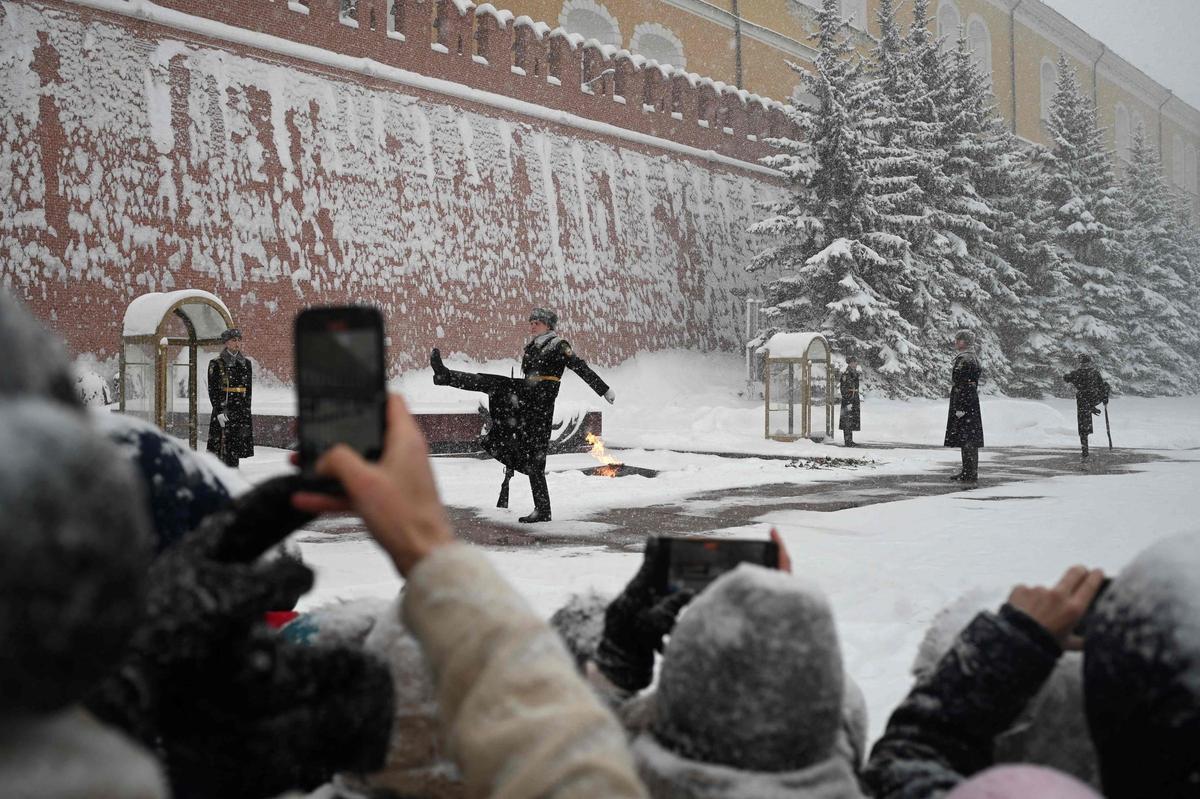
pixel 231 333
pixel 544 315
pixel 1084 358
pixel 967 336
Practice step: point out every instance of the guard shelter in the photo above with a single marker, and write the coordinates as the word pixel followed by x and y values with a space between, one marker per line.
pixel 797 375
pixel 161 340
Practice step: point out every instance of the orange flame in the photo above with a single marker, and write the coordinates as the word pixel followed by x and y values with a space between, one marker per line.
pixel 610 464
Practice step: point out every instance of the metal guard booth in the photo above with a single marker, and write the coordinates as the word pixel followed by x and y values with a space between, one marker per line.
pixel 146 387
pixel 797 374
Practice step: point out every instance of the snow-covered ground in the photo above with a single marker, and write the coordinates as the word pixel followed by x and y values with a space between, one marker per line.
pixel 887 567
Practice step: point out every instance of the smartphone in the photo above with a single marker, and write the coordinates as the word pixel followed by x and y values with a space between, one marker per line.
pixel 693 563
pixel 340 387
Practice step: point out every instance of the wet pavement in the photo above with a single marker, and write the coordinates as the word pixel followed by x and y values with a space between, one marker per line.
pixel 705 512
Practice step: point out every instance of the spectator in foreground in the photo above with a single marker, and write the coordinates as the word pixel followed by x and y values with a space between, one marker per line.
pixel 943 732
pixel 74 547
pixel 516 715
pixel 1141 674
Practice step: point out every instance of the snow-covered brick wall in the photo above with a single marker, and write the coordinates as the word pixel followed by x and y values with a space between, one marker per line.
pixel 138 157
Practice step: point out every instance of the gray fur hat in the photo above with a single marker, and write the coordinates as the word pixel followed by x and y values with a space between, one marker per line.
pixel 752 676
pixel 965 335
pixel 544 315
pixel 75 544
pixel 231 333
pixel 35 361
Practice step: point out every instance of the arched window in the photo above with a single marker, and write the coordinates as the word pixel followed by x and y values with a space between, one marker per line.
pixel 1179 160
pixel 1049 86
pixel 979 39
pixel 591 20
pixel 1121 132
pixel 658 42
pixel 949 20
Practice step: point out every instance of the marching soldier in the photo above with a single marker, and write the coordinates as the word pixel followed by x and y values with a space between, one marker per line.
pixel 230 386
pixel 1090 392
pixel 530 403
pixel 849 420
pixel 964 422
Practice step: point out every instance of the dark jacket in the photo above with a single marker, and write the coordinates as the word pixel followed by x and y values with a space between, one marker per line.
pixel 943 731
pixel 964 396
pixel 1090 391
pixel 230 386
pixel 848 385
pixel 543 364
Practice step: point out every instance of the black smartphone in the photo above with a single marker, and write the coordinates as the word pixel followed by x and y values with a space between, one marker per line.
pixel 340 386
pixel 693 563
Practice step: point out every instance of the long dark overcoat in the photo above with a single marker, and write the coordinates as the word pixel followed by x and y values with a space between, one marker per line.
pixel 964 396
pixel 230 390
pixel 522 409
pixel 1090 391
pixel 850 417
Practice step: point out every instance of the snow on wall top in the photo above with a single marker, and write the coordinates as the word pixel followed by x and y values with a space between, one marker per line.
pixel 145 313
pixel 796 345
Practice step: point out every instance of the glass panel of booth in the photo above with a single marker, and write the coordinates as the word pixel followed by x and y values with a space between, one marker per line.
pixel 786 395
pixel 139 386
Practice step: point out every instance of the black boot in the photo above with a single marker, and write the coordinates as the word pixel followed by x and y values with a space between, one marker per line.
pixel 541 497
pixel 1083 442
pixel 849 438
pixel 970 457
pixel 441 375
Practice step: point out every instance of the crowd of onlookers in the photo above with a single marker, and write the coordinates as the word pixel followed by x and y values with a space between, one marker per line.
pixel 149 648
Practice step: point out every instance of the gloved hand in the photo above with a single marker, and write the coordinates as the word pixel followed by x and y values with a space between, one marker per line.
pixel 222 419
pixel 611 396
pixel 634 626
pixel 959 414
pixel 238 711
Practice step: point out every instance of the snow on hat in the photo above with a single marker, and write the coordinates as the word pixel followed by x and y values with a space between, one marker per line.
pixel 580 624
pixel 1022 782
pixel 232 332
pixel 74 548
pixel 545 315
pixel 35 362
pixel 965 335
pixel 752 676
pixel 1142 673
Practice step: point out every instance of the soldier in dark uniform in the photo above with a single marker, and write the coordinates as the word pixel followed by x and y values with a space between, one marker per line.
pixel 848 422
pixel 1090 391
pixel 964 423
pixel 230 386
pixel 522 409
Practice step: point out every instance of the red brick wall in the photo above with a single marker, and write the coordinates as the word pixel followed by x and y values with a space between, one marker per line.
pixel 154 153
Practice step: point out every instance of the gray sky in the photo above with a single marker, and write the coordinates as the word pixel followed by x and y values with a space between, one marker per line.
pixel 1159 37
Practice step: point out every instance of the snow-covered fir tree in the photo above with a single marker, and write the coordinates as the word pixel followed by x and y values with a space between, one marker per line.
pixel 1162 321
pixel 1087 221
pixel 838 258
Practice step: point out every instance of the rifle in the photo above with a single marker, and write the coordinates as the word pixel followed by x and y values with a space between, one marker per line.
pixel 1107 426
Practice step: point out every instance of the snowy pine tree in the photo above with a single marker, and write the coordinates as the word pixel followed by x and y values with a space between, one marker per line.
pixel 830 240
pixel 1086 220
pixel 1162 320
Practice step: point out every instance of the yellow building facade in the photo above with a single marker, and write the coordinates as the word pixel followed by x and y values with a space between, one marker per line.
pixel 1016 42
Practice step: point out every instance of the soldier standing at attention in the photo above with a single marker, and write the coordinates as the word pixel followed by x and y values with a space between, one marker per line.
pixel 849 420
pixel 1090 391
pixel 546 357
pixel 230 385
pixel 964 422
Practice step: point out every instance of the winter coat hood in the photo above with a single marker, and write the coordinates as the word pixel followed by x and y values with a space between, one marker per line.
pixel 1022 782
pixel 752 676
pixel 1142 674
pixel 70 755
pixel 35 362
pixel 1052 730
pixel 74 550
pixel 669 776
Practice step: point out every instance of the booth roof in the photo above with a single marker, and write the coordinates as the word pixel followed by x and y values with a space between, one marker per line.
pixel 146 312
pixel 790 345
